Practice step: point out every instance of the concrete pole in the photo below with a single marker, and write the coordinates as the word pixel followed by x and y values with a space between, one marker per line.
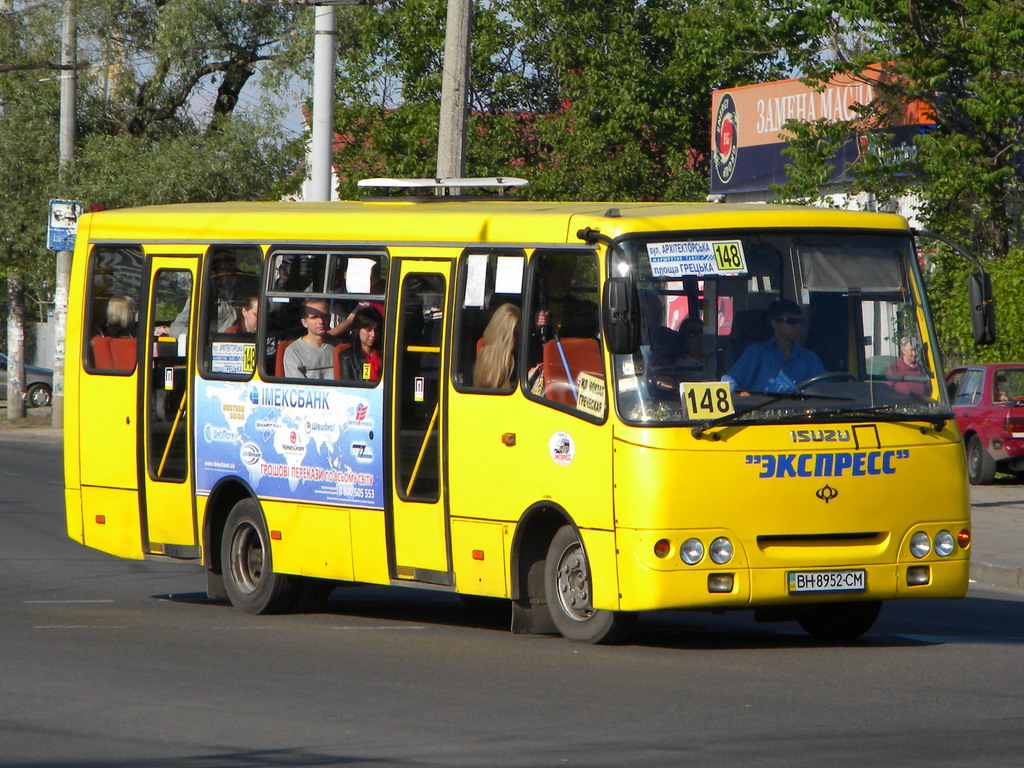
pixel 322 140
pixel 68 129
pixel 451 136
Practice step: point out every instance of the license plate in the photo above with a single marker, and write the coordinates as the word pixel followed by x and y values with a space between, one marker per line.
pixel 827 581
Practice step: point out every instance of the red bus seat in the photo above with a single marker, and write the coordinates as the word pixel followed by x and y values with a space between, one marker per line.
pixel 113 354
pixel 279 357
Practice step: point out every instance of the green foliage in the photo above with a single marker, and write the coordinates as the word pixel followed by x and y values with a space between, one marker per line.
pixel 601 100
pixel 947 288
pixel 963 59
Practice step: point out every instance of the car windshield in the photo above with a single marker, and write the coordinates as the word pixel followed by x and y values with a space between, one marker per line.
pixel 822 325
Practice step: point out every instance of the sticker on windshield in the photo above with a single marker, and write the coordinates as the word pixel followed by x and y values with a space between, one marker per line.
pixel 697 257
pixel 709 400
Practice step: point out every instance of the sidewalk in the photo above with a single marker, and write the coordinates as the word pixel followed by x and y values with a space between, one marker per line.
pixel 997 528
pixel 997 511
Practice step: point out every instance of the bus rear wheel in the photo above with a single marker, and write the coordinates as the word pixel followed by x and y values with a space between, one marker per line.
pixel 839 622
pixel 567 587
pixel 249 578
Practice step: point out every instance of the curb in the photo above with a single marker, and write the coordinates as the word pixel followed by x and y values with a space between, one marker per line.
pixel 1003 576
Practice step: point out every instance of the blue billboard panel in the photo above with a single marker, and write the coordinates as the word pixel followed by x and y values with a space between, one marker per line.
pixel 292 441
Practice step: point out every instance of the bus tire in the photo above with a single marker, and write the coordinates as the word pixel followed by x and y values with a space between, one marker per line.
pixel 839 622
pixel 567 590
pixel 249 578
pixel 981 467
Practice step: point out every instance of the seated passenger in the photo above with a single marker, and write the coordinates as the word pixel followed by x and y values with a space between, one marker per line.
pixel 779 364
pixel 377 286
pixel 363 361
pixel 121 318
pixel 906 374
pixel 312 356
pixel 496 361
pixel 246 325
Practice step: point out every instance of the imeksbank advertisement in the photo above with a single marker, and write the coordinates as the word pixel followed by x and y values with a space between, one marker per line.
pixel 291 441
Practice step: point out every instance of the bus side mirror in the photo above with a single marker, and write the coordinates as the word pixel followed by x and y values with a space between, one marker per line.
pixel 983 313
pixel 621 317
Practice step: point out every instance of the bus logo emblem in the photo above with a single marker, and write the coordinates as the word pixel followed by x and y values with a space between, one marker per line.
pixel 827 493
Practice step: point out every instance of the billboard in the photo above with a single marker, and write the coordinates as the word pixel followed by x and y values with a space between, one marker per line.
pixel 748 128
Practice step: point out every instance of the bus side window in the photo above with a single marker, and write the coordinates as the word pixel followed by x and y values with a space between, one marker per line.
pixel 231 308
pixel 112 322
pixel 564 354
pixel 489 321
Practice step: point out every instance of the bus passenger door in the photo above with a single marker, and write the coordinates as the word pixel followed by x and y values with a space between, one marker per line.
pixel 168 489
pixel 419 526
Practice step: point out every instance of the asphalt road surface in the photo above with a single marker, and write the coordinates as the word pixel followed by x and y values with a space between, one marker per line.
pixel 115 663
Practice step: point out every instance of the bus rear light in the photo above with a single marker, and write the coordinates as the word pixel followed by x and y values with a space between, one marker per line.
pixel 944 544
pixel 920 545
pixel 662 548
pixel 918 575
pixel 721 550
pixel 963 538
pixel 692 551
pixel 720 582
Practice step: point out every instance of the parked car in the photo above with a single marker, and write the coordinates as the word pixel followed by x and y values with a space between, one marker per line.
pixel 38 384
pixel 988 401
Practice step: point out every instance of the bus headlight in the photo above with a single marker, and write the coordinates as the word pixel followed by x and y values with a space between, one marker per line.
pixel 919 544
pixel 692 551
pixel 721 550
pixel 944 544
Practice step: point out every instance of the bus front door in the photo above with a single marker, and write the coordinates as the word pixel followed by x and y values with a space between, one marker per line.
pixel 418 520
pixel 169 496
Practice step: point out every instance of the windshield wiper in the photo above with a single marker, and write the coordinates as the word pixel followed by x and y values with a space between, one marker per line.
pixel 731 417
pixel 938 420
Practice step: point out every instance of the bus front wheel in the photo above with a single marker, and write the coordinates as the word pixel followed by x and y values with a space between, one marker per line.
pixel 838 622
pixel 249 579
pixel 567 586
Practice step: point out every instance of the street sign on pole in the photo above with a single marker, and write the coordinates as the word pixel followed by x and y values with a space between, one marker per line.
pixel 60 233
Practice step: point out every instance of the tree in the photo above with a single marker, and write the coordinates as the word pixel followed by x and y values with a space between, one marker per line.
pixel 590 100
pixel 158 118
pixel 961 57
pixel 28 165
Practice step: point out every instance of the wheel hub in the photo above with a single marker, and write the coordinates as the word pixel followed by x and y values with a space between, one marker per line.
pixel 574 584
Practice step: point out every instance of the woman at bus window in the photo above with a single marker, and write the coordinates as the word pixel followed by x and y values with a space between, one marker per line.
pixel 363 361
pixel 496 361
pixel 120 317
pixel 906 374
pixel 248 318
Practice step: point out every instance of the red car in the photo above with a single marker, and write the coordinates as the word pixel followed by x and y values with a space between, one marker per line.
pixel 988 401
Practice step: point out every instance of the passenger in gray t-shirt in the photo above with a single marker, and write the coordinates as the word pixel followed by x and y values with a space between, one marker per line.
pixel 312 356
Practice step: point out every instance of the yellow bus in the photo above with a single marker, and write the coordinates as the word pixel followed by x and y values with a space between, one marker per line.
pixel 588 409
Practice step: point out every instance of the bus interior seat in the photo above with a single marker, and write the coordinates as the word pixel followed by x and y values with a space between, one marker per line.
pixel 113 354
pixel 344 346
pixel 748 326
pixel 582 356
pixel 279 356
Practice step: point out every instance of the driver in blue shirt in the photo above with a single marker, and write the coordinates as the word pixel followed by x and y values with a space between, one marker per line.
pixel 779 364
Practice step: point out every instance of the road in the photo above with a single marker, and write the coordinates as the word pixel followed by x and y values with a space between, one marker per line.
pixel 113 663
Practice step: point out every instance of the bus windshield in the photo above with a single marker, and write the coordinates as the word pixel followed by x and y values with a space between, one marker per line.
pixel 802 325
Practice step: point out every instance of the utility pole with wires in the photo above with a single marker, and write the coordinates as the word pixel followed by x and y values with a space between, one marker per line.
pixel 451 134
pixel 68 129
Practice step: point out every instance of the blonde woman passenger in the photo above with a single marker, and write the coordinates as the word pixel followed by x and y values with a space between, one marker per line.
pixel 121 318
pixel 496 361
